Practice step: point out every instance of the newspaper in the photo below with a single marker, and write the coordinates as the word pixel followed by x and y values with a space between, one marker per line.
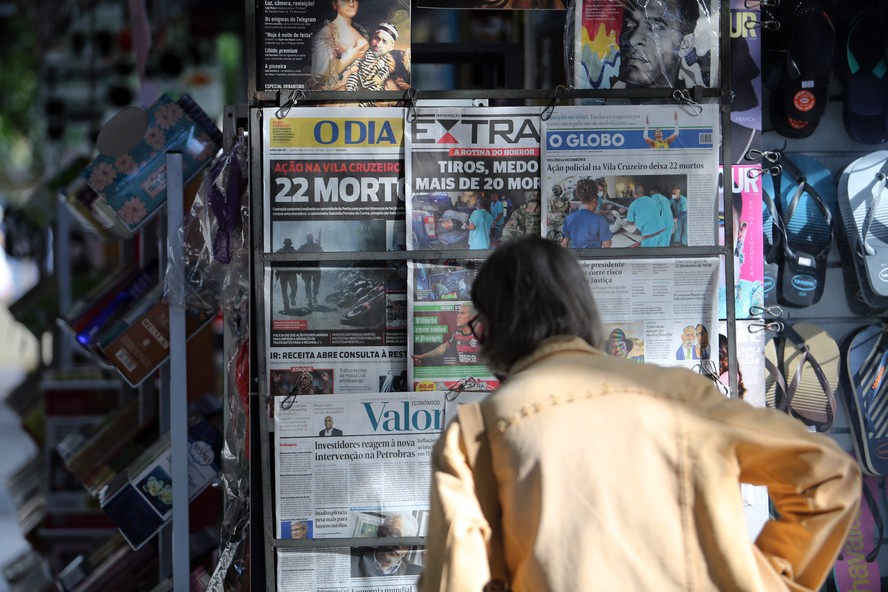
pixel 356 467
pixel 349 337
pixel 659 311
pixel 465 163
pixel 444 353
pixel 662 150
pixel 336 175
pixel 642 44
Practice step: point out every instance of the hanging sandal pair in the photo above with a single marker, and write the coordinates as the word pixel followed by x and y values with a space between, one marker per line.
pixel 802 374
pixel 801 197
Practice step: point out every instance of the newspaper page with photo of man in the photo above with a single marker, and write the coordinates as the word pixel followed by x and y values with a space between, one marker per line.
pixel 333 179
pixel 355 467
pixel 444 352
pixel 645 43
pixel 629 176
pixel 336 329
pixel 658 311
pixel 473 177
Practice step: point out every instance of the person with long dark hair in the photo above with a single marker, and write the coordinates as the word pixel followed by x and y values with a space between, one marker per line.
pixel 612 475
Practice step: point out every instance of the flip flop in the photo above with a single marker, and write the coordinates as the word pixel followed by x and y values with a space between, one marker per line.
pixel 799 100
pixel 864 209
pixel 862 69
pixel 775 384
pixel 861 299
pixel 864 361
pixel 805 208
pixel 808 359
pixel 772 248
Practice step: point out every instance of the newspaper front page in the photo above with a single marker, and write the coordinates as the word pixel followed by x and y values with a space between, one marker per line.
pixel 470 172
pixel 443 352
pixel 653 170
pixel 350 337
pixel 334 175
pixel 354 467
pixel 658 311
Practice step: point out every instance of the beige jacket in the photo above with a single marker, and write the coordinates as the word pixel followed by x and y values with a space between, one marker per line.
pixel 621 476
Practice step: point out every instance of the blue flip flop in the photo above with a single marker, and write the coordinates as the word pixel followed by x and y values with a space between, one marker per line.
pixel 804 208
pixel 865 390
pixel 864 209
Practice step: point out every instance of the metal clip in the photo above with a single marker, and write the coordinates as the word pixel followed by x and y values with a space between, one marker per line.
pixel 773 171
pixel 466 384
pixel 774 311
pixel 284 109
pixel 708 369
pixel 774 326
pixel 302 386
pixel 769 25
pixel 769 155
pixel 547 112
pixel 683 96
pixel 761 3
pixel 410 96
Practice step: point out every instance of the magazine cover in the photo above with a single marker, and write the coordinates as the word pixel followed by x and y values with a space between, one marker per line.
pixel 645 44
pixel 746 191
pixel 335 175
pixel 746 80
pixel 338 45
pixel 495 4
pixel 131 185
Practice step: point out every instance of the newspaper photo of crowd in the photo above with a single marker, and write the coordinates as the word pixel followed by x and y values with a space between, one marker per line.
pixel 618 211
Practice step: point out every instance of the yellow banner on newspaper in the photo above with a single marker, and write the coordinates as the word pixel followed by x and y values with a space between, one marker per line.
pixel 336 133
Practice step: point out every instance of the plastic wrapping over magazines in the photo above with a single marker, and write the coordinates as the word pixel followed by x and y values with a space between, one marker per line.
pixel 213 236
pixel 613 44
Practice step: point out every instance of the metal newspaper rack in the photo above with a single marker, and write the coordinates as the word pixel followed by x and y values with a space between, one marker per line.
pixel 263 544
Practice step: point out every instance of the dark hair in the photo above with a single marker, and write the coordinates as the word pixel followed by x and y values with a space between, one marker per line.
pixel 530 289
pixel 688 14
pixel 586 190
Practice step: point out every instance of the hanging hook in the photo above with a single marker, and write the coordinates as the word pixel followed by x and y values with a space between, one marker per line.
pixel 284 109
pixel 770 25
pixel 775 326
pixel 467 383
pixel 683 96
pixel 547 112
pixel 772 171
pixel 756 154
pixel 774 311
pixel 410 96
